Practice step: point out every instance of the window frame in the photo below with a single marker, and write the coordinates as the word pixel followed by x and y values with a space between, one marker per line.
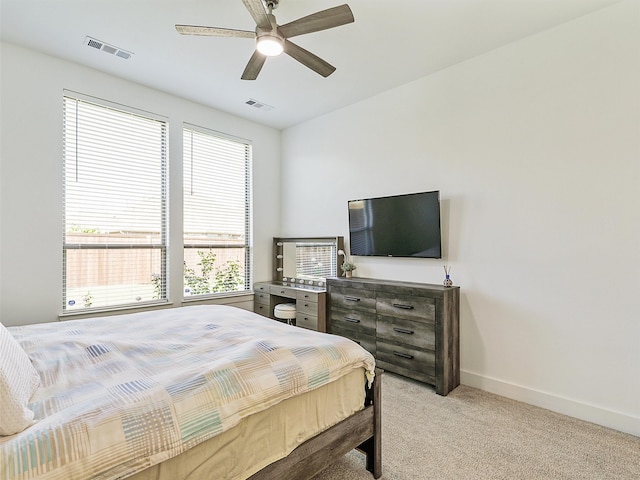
pixel 163 236
pixel 248 215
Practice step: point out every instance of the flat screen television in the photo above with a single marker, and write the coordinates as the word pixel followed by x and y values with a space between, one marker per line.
pixel 396 226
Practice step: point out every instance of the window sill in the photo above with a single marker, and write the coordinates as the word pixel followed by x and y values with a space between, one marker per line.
pixel 214 299
pixel 103 312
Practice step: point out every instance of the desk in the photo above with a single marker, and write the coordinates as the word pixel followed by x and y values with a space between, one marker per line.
pixel 311 302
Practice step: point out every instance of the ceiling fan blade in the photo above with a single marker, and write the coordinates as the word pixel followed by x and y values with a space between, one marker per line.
pixel 254 66
pixel 308 59
pixel 257 11
pixel 332 17
pixel 214 31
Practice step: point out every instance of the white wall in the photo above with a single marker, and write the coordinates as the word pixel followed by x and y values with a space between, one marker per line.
pixel 536 150
pixel 31 175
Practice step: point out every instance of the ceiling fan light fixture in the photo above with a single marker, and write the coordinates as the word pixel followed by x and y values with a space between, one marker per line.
pixel 270 45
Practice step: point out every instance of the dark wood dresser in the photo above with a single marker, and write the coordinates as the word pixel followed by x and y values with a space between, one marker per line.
pixel 412 329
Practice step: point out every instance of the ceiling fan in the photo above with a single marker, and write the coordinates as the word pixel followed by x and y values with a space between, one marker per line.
pixel 273 39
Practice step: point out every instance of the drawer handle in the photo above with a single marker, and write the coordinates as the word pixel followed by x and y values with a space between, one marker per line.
pixel 404 307
pixel 403 355
pixel 403 330
pixel 352 320
pixel 352 299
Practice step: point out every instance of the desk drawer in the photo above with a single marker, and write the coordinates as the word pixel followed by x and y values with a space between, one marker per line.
pixel 308 308
pixel 262 298
pixel 262 302
pixel 262 288
pixel 306 297
pixel 262 309
pixel 282 291
pixel 305 320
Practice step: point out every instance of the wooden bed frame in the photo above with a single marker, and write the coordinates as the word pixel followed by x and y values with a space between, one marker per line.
pixel 363 431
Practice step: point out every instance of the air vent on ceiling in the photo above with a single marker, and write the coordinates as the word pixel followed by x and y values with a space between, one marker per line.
pixel 256 104
pixel 105 47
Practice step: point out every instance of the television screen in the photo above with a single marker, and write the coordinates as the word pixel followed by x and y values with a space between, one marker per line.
pixel 396 226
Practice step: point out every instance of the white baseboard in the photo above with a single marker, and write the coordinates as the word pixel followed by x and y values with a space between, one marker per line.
pixel 590 413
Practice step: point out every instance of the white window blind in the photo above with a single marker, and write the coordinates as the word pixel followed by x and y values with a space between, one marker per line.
pixel 114 206
pixel 217 213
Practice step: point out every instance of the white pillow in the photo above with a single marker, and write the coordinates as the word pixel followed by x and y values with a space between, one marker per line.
pixel 18 382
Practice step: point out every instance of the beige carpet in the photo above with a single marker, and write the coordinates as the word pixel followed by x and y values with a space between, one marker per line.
pixel 471 434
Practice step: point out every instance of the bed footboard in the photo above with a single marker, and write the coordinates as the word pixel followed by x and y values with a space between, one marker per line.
pixel 363 431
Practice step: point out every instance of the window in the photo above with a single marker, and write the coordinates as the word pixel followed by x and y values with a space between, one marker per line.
pixel 114 249
pixel 217 213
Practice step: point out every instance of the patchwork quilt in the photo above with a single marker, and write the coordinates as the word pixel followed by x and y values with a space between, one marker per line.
pixel 119 394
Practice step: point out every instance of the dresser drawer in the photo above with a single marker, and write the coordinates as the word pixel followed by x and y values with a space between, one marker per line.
pixel 410 359
pixel 306 320
pixel 368 342
pixel 407 332
pixel 353 299
pixel 353 320
pixel 419 309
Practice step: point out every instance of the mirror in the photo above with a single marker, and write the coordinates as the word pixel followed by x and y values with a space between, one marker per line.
pixel 306 261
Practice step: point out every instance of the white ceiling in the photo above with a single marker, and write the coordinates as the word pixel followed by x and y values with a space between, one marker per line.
pixel 391 43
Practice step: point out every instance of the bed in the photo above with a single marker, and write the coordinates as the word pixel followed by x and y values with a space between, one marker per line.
pixel 200 392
